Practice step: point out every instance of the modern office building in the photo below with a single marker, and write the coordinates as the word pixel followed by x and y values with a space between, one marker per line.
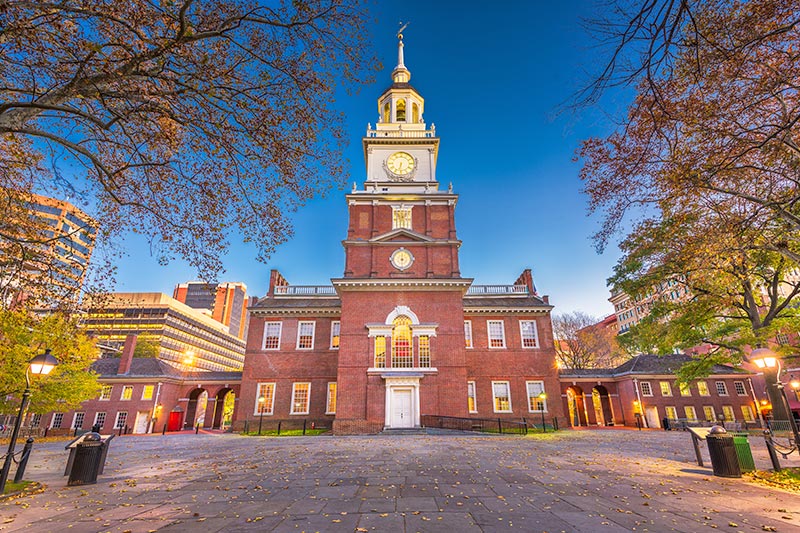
pixel 225 302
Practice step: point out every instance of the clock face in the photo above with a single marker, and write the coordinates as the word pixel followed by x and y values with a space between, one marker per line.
pixel 402 259
pixel 400 163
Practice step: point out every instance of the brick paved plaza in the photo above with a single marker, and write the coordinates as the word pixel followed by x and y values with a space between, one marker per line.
pixel 592 481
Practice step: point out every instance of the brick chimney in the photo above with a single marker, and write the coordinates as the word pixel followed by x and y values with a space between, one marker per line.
pixel 127 355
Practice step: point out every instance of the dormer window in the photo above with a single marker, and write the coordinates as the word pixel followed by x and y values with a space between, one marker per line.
pixel 400 113
pixel 401 217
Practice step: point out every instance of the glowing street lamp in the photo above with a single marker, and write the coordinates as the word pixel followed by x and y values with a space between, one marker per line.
pixel 770 363
pixel 41 365
pixel 543 397
pixel 261 400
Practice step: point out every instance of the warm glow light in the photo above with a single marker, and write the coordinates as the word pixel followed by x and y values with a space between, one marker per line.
pixel 188 358
pixel 261 399
pixel 764 358
pixel 43 363
pixel 795 384
pixel 542 395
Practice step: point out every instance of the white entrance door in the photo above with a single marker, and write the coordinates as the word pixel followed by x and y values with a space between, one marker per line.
pixel 652 417
pixel 402 416
pixel 141 422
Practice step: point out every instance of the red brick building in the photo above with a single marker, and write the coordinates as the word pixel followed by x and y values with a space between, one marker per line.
pixel 401 334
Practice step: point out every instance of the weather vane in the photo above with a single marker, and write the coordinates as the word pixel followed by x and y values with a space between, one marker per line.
pixel 400 31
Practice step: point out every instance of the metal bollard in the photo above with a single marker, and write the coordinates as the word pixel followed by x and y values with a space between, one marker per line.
pixel 279 428
pixel 304 426
pixel 164 431
pixel 771 449
pixel 23 460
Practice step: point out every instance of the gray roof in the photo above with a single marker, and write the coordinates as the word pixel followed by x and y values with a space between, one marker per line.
pixel 504 301
pixel 297 303
pixel 647 364
pixel 150 367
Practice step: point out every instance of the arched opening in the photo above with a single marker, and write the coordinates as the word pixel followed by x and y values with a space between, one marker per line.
pixel 223 409
pixel 602 406
pixel 400 111
pixel 414 113
pixel 387 111
pixel 575 403
pixel 196 408
pixel 402 352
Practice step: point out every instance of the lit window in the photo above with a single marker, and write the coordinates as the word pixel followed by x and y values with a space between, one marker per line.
pixel 471 401
pixel 708 412
pixel 738 386
pixel 267 391
pixel 147 393
pixel 497 333
pixel 77 422
pixel 702 388
pixel 305 335
pixel 105 392
pixel 727 410
pixel 335 329
pixel 691 414
pixel 671 412
pixel 380 352
pixel 122 417
pixel 666 390
pixel 100 420
pixel 502 396
pixel 646 389
pixel 127 392
pixel 527 329
pixel 402 356
pixel 685 390
pixel 722 389
pixel 330 408
pixel 401 217
pixel 300 396
pixel 747 414
pixel 57 419
pixel 272 335
pixel 536 404
pixel 468 333
pixel 424 351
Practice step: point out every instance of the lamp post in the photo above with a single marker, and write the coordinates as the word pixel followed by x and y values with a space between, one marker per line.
pixel 42 364
pixel 770 363
pixel 261 400
pixel 542 398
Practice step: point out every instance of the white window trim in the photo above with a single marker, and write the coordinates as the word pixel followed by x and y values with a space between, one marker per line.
pixel 668 394
pixel 724 387
pixel 468 326
pixel 648 394
pixel 97 415
pixel 110 392
pixel 489 334
pixel 308 398
pixel 535 335
pixel 691 408
pixel 122 395
pixel 332 347
pixel 528 393
pixel 75 419
pixel 700 391
pixel 744 389
pixel 474 396
pixel 671 409
pixel 264 336
pixel 494 398
pixel 328 398
pixel 267 412
pixel 713 412
pixel 153 391
pixel 313 334
pixel 116 420
pixel 53 420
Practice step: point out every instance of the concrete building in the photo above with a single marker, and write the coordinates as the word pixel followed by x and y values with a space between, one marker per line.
pixel 184 337
pixel 225 302
pixel 402 334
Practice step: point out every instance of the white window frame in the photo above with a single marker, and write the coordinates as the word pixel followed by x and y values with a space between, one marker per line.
pixel 308 398
pixel 728 409
pixel 685 390
pixel 747 414
pixel 122 416
pixel 666 391
pixel 647 389
pixel 145 389
pixel 739 385
pixel 424 351
pixel 472 393
pixel 535 397
pixel 671 412
pixel 75 419
pixel 269 401
pixel 522 334
pixel 105 393
pixel 300 325
pixel 125 389
pixel 336 326
pixel 687 409
pixel 60 417
pixel 502 333
pixel 328 410
pixel 713 413
pixel 494 397
pixel 267 325
pixel 97 416
pixel 703 387
pixel 721 387
pixel 468 343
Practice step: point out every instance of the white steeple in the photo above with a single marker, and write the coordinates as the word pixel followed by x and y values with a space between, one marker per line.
pixel 400 74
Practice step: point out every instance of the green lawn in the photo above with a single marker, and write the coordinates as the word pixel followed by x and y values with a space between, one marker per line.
pixel 287 432
pixel 12 487
pixel 788 478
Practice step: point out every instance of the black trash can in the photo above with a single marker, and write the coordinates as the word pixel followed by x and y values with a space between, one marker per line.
pixel 722 450
pixel 88 459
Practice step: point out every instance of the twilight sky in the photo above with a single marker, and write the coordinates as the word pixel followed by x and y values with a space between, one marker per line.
pixel 492 79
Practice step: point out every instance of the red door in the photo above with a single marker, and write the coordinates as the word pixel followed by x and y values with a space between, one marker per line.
pixel 175 420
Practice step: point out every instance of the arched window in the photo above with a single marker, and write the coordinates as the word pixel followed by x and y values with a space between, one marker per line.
pixel 402 347
pixel 414 113
pixel 387 109
pixel 401 110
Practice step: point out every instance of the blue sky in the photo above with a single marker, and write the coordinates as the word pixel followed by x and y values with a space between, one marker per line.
pixel 492 79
